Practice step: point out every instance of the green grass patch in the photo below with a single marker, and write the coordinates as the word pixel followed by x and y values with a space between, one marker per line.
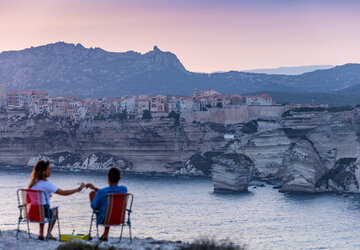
pixel 211 244
pixel 82 246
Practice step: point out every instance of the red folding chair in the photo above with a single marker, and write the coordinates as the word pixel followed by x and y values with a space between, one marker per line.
pixel 32 209
pixel 118 210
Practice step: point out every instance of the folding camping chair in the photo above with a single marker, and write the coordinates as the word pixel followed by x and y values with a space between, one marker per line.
pixel 118 207
pixel 32 209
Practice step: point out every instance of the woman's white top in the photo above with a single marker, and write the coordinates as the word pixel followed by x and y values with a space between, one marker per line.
pixel 47 187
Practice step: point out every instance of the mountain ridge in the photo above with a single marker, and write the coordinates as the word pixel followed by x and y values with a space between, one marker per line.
pixel 71 69
pixel 296 70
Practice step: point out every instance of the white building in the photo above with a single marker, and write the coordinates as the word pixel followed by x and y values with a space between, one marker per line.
pixel 128 104
pixel 264 99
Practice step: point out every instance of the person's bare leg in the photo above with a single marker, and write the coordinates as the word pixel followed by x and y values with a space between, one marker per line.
pixel 49 235
pixel 54 215
pixel 106 232
pixel 92 195
pixel 41 231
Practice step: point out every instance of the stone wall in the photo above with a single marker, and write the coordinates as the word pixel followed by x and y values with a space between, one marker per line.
pixel 265 111
pixel 235 114
pixel 228 115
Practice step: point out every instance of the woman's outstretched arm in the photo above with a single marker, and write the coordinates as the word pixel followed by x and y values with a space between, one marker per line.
pixel 70 191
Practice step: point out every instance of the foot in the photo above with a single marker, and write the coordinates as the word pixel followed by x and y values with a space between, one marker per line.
pixel 103 238
pixel 50 237
pixel 41 237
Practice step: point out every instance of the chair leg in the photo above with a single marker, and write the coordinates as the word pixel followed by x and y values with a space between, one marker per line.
pixel 130 233
pixel 97 230
pixel 121 232
pixel 18 229
pixel 28 227
pixel 91 222
pixel 58 221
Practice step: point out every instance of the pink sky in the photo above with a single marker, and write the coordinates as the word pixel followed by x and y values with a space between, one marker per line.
pixel 207 36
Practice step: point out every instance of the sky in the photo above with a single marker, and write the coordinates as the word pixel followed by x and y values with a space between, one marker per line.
pixel 206 35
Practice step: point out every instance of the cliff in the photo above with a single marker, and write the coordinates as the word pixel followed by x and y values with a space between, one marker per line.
pixel 140 145
pixel 308 149
pixel 312 150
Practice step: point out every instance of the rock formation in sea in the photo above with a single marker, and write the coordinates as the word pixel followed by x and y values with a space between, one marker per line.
pixel 266 149
pixel 303 168
pixel 67 160
pixel 232 172
pixel 344 177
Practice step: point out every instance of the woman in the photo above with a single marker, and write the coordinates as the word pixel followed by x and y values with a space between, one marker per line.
pixel 38 181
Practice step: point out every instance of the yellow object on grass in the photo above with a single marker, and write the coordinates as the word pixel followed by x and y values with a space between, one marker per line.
pixel 71 237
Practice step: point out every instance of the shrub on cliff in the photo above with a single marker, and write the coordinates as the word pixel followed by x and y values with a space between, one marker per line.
pixel 174 115
pixel 339 109
pixel 303 109
pixel 250 127
pixel 146 114
pixel 317 109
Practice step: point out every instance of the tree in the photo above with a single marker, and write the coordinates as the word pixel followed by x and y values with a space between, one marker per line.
pixel 123 115
pixel 146 114
pixel 174 115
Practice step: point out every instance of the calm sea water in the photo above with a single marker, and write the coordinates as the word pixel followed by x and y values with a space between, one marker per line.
pixel 182 208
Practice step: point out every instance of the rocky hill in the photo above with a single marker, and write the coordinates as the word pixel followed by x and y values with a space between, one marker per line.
pixel 66 69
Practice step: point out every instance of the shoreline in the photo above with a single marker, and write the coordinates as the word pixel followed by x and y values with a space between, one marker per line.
pixel 8 241
pixel 123 172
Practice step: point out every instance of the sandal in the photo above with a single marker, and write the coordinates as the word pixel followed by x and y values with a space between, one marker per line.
pixel 50 238
pixel 103 238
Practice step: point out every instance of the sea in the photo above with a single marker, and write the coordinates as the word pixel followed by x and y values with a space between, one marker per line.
pixel 187 208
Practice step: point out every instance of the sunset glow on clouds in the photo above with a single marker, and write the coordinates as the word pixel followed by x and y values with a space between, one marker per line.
pixel 206 36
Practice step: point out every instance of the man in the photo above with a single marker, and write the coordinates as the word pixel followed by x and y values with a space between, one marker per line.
pixel 96 196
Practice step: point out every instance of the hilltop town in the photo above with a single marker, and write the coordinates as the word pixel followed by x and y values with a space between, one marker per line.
pixel 204 106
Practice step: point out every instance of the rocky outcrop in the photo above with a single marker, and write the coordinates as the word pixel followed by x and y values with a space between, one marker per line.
pixel 329 159
pixel 266 149
pixel 303 168
pixel 344 177
pixel 232 172
pixel 95 161
pixel 198 164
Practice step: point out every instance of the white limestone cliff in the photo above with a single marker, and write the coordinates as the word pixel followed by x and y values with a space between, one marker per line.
pixel 232 172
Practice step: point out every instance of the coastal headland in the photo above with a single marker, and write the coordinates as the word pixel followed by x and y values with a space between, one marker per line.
pixel 307 149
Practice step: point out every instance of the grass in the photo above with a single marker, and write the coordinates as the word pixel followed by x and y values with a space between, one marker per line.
pixel 199 244
pixel 212 244
pixel 82 246
pixel 317 109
